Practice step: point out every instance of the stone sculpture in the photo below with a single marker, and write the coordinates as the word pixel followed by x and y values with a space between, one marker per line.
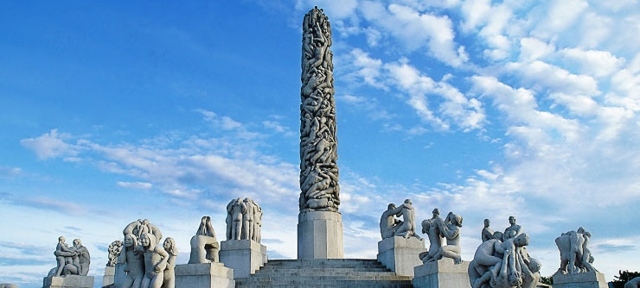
pixel 391 226
pixel 487 233
pixel 169 275
pixel 133 259
pixel 575 256
pixel 144 258
pixel 155 261
pixel 388 222
pixel 244 220
pixel 437 229
pixel 318 143
pixel 204 245
pixel 513 230
pixel 507 263
pixel 73 260
pixel 431 228
pixel 114 252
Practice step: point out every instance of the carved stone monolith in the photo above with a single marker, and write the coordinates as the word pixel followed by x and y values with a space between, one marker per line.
pixel 319 222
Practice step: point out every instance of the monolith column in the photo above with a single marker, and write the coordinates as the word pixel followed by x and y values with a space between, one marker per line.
pixel 319 222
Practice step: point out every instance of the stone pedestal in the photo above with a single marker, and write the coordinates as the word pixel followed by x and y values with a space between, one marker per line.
pixel 442 273
pixel 320 235
pixel 109 277
pixel 204 275
pixel 592 279
pixel 243 256
pixel 68 281
pixel 400 254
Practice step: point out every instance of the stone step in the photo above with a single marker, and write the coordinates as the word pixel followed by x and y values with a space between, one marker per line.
pixel 364 273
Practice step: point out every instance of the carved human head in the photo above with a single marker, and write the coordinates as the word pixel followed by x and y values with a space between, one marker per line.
pixel 169 245
pixel 435 212
pixel 148 240
pixel 487 222
pixel 391 206
pixel 521 240
pixel 498 235
pixel 512 220
pixel 129 240
pixel 61 239
pixel 77 242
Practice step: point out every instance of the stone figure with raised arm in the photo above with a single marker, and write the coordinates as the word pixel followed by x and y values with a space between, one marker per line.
pixel 388 221
pixel 204 245
pixel 133 258
pixel 155 261
pixel 169 277
pixel 513 230
pixel 487 233
pixel 431 228
pixel 408 226
pixel 450 229
pixel 64 255
pixel 81 260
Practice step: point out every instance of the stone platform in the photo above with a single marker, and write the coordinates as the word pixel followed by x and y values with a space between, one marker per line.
pixel 400 254
pixel 592 279
pixel 324 273
pixel 442 273
pixel 243 256
pixel 207 275
pixel 67 281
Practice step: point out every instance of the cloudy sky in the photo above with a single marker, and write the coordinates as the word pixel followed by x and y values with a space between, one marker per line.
pixel 112 111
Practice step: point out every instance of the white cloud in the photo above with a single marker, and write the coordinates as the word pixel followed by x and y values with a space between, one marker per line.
pixel 51 145
pixel 592 62
pixel 416 30
pixel 135 185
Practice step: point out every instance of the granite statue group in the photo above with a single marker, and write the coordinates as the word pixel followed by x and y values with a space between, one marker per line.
pixel 500 261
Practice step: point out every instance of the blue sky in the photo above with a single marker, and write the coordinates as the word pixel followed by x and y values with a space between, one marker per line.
pixel 116 111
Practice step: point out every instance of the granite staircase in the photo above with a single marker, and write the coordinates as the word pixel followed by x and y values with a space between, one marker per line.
pixel 324 273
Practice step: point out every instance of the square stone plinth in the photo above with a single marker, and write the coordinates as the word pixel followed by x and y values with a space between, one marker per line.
pixel 400 254
pixel 206 275
pixel 68 281
pixel 320 235
pixel 591 279
pixel 442 274
pixel 245 257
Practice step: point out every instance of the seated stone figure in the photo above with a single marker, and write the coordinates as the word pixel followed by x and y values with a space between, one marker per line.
pixel 450 229
pixel 204 245
pixel 388 222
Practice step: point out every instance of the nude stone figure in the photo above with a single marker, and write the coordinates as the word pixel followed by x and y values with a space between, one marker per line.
pixel 388 221
pixel 431 228
pixel 155 261
pixel 169 277
pixel 575 256
pixel 408 227
pixel 450 229
pixel 133 258
pixel 513 230
pixel 204 245
pixel 487 233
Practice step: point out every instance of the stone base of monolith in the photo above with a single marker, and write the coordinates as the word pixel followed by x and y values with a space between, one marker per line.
pixel 204 275
pixel 245 257
pixel 441 274
pixel 67 281
pixel 400 254
pixel 591 279
pixel 320 235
